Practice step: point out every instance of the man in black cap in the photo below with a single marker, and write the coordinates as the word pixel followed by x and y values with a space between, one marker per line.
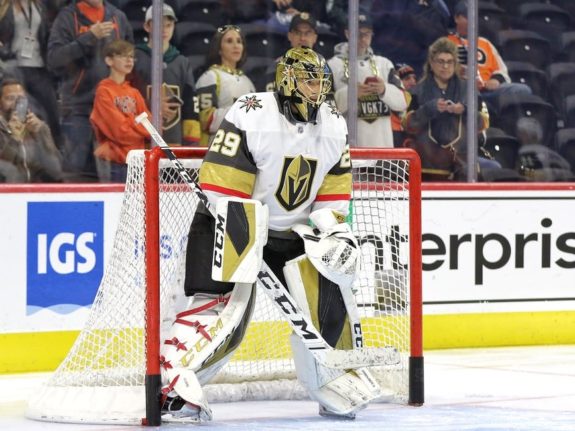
pixel 302 32
pixel 379 89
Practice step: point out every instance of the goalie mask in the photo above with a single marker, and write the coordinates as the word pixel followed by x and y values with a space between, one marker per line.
pixel 302 83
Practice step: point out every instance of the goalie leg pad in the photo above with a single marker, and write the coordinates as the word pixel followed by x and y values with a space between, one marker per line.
pixel 339 393
pixel 320 299
pixel 201 341
pixel 240 235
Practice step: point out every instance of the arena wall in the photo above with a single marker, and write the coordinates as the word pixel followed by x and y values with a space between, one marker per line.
pixel 499 265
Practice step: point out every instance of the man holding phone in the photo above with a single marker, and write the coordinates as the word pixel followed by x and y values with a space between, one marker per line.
pixel 379 89
pixel 26 143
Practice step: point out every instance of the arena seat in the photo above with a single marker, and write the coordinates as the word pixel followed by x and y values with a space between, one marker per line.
pixel 540 163
pixel 525 73
pixel 514 107
pixel 567 50
pixel 502 147
pixel 205 11
pixel 491 19
pixel 326 41
pixel 525 45
pixel 512 6
pixel 193 38
pixel 565 144
pixel 256 69
pixel 262 41
pixel 561 78
pixel 546 19
pixel 569 116
pixel 135 10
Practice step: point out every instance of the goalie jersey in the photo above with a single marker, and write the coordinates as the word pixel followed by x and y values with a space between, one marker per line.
pixel 294 168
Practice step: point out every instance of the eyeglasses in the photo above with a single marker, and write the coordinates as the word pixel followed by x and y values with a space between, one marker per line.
pixel 444 63
pixel 225 28
pixel 126 56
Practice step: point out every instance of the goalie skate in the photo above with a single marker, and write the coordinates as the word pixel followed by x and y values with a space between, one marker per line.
pixel 177 410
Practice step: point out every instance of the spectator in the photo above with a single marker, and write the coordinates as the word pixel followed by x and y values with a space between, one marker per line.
pixel 246 11
pixel 404 29
pixel 302 33
pixel 409 81
pixel 283 11
pixel 179 109
pixel 407 75
pixel 223 83
pixel 24 30
pixel 27 150
pixel 435 121
pixel 379 88
pixel 493 79
pixel 116 105
pixel 338 12
pixel 77 37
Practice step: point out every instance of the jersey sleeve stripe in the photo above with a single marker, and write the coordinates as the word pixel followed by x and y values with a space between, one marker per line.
pixel 228 178
pixel 341 197
pixel 335 185
pixel 224 190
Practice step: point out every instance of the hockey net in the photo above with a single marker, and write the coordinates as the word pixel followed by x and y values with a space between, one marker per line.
pixel 111 374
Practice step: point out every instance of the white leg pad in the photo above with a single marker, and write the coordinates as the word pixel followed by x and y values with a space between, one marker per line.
pixel 339 392
pixel 195 337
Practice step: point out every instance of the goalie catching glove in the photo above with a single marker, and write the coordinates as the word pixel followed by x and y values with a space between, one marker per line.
pixel 334 251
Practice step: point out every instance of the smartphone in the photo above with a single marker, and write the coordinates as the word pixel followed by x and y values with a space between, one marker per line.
pixel 21 108
pixel 175 99
pixel 370 79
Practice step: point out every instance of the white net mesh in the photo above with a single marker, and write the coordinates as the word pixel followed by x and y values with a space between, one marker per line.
pixel 102 378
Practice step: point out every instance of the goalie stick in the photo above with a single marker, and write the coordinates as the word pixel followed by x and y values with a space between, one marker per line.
pixel 277 292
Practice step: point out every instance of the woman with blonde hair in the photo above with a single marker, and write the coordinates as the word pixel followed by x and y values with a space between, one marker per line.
pixel 224 82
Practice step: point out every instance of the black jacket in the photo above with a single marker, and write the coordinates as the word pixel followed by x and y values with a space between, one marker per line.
pixel 75 55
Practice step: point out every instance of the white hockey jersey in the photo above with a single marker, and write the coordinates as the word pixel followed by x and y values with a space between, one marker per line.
pixel 294 168
pixel 218 88
pixel 374 122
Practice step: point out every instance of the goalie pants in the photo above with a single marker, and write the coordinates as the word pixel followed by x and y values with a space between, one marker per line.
pixel 280 248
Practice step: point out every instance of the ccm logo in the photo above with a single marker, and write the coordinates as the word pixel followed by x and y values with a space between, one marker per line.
pixel 219 241
pixel 66 253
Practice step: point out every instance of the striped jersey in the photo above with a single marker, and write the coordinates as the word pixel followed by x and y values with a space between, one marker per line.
pixel 294 168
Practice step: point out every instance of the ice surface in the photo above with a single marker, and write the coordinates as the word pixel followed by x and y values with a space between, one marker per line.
pixel 512 388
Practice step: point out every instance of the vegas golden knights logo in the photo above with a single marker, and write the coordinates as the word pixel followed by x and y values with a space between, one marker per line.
pixel 296 180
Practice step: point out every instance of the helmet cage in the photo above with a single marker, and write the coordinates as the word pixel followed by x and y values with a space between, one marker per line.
pixel 303 76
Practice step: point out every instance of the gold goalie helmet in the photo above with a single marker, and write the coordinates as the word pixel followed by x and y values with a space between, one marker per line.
pixel 302 82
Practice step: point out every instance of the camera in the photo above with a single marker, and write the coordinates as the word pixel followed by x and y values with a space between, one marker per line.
pixel 21 108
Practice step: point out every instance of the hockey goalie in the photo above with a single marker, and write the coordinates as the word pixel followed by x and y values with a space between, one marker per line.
pixel 278 173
